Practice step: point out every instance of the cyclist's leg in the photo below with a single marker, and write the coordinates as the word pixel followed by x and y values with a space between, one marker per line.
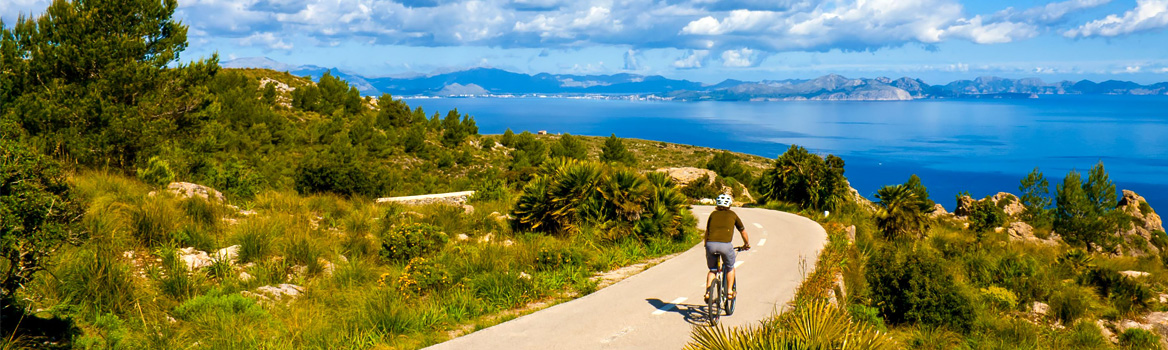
pixel 728 267
pixel 712 265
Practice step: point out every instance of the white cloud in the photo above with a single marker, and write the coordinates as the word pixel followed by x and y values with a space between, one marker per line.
pixel 10 10
pixel 993 33
pixel 744 57
pixel 267 40
pixel 632 62
pixel 1162 70
pixel 691 59
pixel 1147 15
pixel 1132 69
pixel 1052 12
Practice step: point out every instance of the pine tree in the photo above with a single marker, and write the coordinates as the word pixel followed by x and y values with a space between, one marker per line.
pixel 1076 216
pixel 1036 198
pixel 508 138
pixel 568 147
pixel 614 152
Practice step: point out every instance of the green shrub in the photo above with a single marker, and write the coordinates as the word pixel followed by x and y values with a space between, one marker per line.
pixel 491 188
pixel 800 177
pixel 157 172
pixel 502 290
pixel 423 275
pixel 405 242
pixel 1083 335
pixel 229 321
pixel 999 298
pixel 254 237
pixel 386 311
pixel 911 286
pixel 703 187
pixel 985 216
pixel 1159 238
pixel 866 314
pixel 1128 295
pixel 97 280
pixel 553 258
pixel 300 249
pixel 1135 338
pixel 1069 304
pixel 202 211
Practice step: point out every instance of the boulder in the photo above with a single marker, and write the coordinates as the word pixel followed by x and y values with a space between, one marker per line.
pixel 938 211
pixel 190 190
pixel 275 293
pixel 194 259
pixel 1039 308
pixel 1134 274
pixel 1022 232
pixel 1012 205
pixel 851 233
pixel 230 253
pixel 964 206
pixel 1135 205
pixel 686 175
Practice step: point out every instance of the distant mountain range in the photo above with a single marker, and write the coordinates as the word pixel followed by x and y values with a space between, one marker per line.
pixel 497 82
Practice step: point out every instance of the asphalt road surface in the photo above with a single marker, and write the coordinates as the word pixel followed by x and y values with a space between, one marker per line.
pixel 657 308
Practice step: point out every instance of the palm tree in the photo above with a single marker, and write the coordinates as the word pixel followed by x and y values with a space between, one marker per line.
pixel 902 211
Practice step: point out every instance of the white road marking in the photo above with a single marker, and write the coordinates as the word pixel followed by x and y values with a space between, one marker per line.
pixel 762 242
pixel 738 263
pixel 757 225
pixel 665 308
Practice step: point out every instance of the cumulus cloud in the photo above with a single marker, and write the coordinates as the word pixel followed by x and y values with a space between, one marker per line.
pixel 266 40
pixel 1050 13
pixel 692 59
pixel 744 57
pixel 1147 15
pixel 631 60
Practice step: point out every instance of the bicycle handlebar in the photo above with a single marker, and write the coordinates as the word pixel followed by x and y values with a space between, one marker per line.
pixel 739 249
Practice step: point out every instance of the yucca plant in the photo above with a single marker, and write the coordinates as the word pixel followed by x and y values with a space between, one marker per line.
pixel 815 324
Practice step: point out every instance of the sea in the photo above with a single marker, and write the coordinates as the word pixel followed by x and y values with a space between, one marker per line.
pixel 979 146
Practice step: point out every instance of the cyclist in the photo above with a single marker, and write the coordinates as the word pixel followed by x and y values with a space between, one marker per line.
pixel 719 239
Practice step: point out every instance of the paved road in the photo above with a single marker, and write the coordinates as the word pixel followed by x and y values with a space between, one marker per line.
pixel 656 309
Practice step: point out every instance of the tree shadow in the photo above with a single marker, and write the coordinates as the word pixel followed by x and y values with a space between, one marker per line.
pixel 698 315
pixel 23 330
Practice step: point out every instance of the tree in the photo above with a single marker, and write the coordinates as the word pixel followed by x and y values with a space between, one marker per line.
pixel 37 210
pixel 393 113
pixel 726 164
pixel 904 210
pixel 453 132
pixel 614 152
pixel 568 147
pixel 1036 198
pixel 96 82
pixel 1076 217
pixel 508 138
pixel 1100 190
pixel 805 179
pixel 529 151
pixel 329 95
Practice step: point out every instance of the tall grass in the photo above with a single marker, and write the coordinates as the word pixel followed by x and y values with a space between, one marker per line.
pixel 97 280
pixel 255 236
pixel 155 221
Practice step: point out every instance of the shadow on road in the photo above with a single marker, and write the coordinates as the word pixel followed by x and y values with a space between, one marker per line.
pixel 693 314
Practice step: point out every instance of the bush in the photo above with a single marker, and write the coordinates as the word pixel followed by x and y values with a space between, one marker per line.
pixel 400 244
pixel 703 187
pixel 911 286
pixel 157 172
pixel 155 221
pixel 807 179
pixel 867 314
pixel 254 237
pixel 553 258
pixel 985 216
pixel 423 275
pixel 1135 338
pixel 1128 295
pixel 999 298
pixel 1069 304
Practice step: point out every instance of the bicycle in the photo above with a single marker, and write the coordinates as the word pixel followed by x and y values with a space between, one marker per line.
pixel 719 300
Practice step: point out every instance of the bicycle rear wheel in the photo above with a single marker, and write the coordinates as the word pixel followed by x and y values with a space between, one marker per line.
pixel 714 304
pixel 729 302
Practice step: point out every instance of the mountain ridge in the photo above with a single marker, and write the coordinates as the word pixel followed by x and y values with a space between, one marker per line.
pixel 486 81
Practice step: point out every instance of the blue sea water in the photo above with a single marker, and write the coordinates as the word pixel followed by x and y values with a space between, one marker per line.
pixel 980 146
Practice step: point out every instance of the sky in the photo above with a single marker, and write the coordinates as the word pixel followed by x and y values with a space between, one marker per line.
pixel 700 40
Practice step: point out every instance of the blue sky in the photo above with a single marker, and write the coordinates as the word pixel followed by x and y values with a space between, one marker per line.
pixel 701 40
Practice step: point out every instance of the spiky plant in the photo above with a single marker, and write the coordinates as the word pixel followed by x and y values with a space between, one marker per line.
pixel 902 212
pixel 815 324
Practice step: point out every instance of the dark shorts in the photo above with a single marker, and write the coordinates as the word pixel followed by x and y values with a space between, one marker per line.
pixel 726 250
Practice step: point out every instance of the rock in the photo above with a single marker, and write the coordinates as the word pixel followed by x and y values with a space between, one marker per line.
pixel 1159 323
pixel 1022 232
pixel 230 253
pixel 938 211
pixel 860 199
pixel 1163 298
pixel 467 209
pixel 1124 325
pixel 1039 308
pixel 1013 206
pixel 194 259
pixel 461 237
pixel 129 254
pixel 1107 333
pixel 964 206
pixel 508 243
pixel 1135 205
pixel 851 233
pixel 276 293
pixel 326 267
pixel 1135 274
pixel 706 201
pixel 190 190
pixel 248 212
pixel 244 276
pixel 486 238
pixel 524 276
pixel 685 175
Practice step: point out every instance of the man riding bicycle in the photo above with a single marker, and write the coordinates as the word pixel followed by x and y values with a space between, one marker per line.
pixel 719 241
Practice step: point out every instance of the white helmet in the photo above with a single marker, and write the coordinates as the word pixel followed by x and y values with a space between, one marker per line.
pixel 724 200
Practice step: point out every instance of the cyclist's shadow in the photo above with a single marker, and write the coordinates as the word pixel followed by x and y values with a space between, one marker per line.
pixel 694 314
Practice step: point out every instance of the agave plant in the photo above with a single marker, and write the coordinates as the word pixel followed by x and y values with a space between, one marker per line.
pixel 815 324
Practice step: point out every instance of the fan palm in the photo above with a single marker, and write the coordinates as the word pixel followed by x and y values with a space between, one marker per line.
pixel 902 212
pixel 811 325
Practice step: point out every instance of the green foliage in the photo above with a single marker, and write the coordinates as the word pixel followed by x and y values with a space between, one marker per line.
pixel 999 298
pixel 1036 198
pixel 1078 217
pixel 806 179
pixel 101 94
pixel 508 138
pixel 455 130
pixel 985 216
pixel 255 238
pixel 97 281
pixel 911 286
pixel 727 165
pixel 529 151
pixel 868 315
pixel 155 221
pixel 557 257
pixel 341 169
pixel 423 275
pixel 568 147
pixel 703 187
pixel 157 172
pixel 1084 335
pixel 614 151
pixel 37 210
pixel 1100 190
pixel 491 187
pixel 1135 338
pixel 904 210
pixel 814 324
pixel 405 242
pixel 1069 304
pixel 393 113
pixel 1127 294
pixel 569 194
pixel 329 95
